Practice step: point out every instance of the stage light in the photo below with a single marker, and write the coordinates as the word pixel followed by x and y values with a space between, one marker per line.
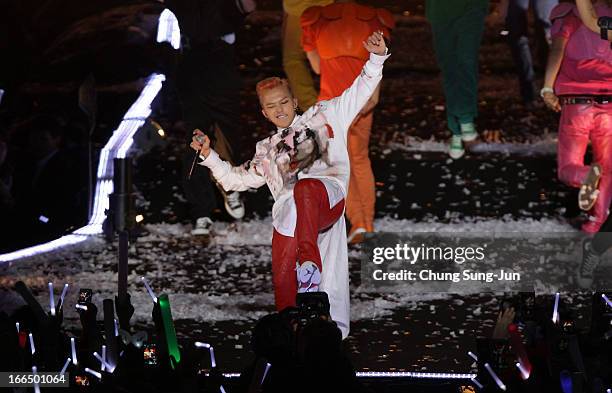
pixel 116 147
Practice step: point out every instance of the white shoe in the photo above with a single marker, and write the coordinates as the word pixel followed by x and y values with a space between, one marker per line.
pixel 455 149
pixel 308 277
pixel 202 227
pixel 468 132
pixel 233 204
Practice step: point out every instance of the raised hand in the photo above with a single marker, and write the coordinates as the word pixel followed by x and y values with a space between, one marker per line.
pixel 375 43
pixel 200 142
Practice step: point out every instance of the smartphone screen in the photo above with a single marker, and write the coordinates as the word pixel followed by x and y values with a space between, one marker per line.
pixel 85 295
pixel 150 355
pixel 81 380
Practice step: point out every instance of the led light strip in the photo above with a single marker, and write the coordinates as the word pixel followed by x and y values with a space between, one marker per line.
pixel 395 374
pixel 116 147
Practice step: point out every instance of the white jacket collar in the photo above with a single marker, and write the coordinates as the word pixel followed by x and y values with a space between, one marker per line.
pixel 295 119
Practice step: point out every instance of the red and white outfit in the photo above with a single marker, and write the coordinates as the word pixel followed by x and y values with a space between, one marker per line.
pixel 306 167
pixel 586 72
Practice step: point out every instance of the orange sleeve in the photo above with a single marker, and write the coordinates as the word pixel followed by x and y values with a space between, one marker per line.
pixel 308 21
pixel 387 21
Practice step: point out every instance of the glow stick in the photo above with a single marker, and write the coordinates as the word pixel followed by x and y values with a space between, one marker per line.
pixel 498 381
pixel 116 328
pixel 151 293
pixel 32 347
pixel 268 365
pixel 17 326
pixel 81 307
pixel 607 300
pixel 555 317
pixel 477 383
pixel 92 372
pixel 63 295
pixel 73 349
pixel 473 356
pixel 51 299
pixel 65 366
pixel 103 363
pixel 221 389
pixel 524 372
pixel 213 362
pixel 104 357
pixel 36 384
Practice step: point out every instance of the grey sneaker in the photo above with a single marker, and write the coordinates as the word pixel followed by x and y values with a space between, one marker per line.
pixel 233 204
pixel 590 260
pixel 456 147
pixel 468 132
pixel 202 227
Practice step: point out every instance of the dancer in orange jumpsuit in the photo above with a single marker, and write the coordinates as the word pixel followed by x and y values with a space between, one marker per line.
pixel 332 38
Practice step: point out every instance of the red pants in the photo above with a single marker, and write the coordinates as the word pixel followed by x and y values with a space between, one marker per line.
pixel 580 123
pixel 313 216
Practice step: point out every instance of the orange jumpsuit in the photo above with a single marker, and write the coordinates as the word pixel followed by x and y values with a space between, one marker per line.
pixel 336 32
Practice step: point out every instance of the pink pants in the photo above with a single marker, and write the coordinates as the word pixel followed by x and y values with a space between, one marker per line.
pixel 580 123
pixel 313 216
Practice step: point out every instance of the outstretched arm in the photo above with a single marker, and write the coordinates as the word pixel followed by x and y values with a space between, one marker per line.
pixel 348 104
pixel 231 178
pixel 589 16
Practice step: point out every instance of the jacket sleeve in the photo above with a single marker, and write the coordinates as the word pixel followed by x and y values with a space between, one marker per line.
pixel 233 178
pixel 346 106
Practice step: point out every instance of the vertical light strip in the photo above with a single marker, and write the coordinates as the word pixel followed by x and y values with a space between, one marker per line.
pixel 117 147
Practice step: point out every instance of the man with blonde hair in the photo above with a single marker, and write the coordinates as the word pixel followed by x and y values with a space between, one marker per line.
pixel 306 167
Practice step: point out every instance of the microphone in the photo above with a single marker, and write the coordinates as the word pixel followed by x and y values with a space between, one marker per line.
pixel 199 138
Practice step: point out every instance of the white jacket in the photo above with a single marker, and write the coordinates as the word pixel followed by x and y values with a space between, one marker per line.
pixel 313 146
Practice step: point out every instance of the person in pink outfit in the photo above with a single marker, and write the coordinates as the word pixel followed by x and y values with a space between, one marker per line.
pixel 578 83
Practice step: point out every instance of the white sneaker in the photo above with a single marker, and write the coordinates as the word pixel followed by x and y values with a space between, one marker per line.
pixel 202 227
pixel 455 149
pixel 468 132
pixel 308 277
pixel 233 204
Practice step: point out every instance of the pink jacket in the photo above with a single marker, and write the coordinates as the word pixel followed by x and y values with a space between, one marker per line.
pixel 587 61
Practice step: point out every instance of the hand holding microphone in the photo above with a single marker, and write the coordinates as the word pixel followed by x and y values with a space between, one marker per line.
pixel 201 144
